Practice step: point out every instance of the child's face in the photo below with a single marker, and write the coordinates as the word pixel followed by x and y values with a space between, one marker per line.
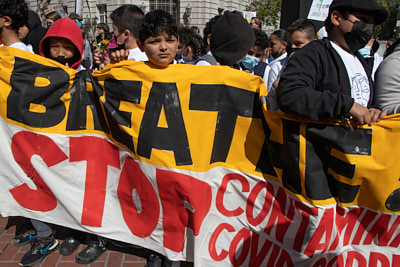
pixel 23 32
pixel 160 50
pixel 298 39
pixel 277 46
pixel 61 47
pixel 256 51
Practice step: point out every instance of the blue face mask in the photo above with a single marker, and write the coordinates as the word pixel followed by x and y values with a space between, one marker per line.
pixel 186 59
pixel 249 62
pixel 365 51
pixel 79 23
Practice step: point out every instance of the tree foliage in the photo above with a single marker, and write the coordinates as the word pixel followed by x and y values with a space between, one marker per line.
pixel 388 29
pixel 268 10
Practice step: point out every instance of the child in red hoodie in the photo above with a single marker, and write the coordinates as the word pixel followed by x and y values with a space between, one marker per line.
pixel 63 43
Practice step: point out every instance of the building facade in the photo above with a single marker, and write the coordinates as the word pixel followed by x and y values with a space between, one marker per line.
pixel 186 12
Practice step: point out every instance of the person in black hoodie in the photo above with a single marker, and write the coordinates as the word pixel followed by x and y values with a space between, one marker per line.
pixel 33 32
pixel 328 78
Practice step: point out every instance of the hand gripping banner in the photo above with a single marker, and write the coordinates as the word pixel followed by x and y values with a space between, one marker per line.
pixel 187 161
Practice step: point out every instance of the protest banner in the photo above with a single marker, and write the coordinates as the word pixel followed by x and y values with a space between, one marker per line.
pixel 187 161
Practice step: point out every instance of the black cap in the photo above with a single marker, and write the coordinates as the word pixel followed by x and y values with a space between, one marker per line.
pixel 231 38
pixel 370 6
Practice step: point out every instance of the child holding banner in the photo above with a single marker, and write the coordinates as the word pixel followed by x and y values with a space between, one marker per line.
pixel 125 20
pixel 158 38
pixel 64 44
pixel 329 78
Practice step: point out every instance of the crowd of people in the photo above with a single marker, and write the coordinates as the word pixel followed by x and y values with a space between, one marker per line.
pixel 338 76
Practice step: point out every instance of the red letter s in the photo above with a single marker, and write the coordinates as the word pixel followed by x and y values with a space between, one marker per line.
pixel 24 145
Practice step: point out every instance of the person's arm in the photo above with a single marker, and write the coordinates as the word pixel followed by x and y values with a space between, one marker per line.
pixel 387 84
pixel 298 92
pixel 272 76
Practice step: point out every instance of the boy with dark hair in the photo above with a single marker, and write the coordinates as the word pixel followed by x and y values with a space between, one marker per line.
pixel 158 38
pixel 328 78
pixel 13 15
pixel 126 21
pixel 300 33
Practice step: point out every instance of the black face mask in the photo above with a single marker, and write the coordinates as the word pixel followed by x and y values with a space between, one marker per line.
pixel 119 47
pixel 359 36
pixel 290 49
pixel 63 60
pixel 277 54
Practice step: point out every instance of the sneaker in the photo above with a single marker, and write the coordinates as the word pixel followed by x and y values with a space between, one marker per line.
pixel 24 238
pixel 69 245
pixel 39 251
pixel 91 252
pixel 154 261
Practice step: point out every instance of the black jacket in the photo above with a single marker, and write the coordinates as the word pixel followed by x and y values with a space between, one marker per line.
pixel 315 83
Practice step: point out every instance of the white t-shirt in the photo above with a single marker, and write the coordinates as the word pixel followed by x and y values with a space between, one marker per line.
pixel 358 78
pixel 22 46
pixel 137 54
pixel 273 73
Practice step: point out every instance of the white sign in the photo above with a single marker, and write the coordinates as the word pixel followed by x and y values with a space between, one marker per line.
pixel 319 10
pixel 249 14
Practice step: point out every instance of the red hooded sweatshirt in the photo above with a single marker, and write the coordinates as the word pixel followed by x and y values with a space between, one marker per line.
pixel 66 28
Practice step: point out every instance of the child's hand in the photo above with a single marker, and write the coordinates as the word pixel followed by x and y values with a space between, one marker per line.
pixel 101 58
pixel 119 55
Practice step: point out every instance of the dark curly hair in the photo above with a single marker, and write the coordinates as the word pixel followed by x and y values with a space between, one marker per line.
pixel 127 17
pixel 17 10
pixel 261 39
pixel 156 22
pixel 197 45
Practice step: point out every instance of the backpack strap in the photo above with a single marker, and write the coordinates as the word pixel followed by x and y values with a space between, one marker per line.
pixel 210 59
